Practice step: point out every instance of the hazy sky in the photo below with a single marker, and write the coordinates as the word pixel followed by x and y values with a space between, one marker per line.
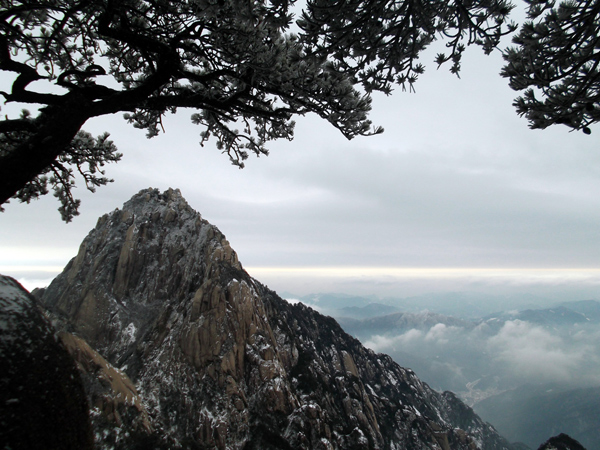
pixel 457 181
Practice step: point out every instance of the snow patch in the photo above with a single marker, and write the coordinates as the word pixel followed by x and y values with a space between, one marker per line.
pixel 129 332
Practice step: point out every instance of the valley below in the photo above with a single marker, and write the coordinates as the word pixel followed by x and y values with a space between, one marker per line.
pixel 531 371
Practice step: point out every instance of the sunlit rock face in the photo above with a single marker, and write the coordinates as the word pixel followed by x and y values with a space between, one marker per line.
pixel 181 348
pixel 42 401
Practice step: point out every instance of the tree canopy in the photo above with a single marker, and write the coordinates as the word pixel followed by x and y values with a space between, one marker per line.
pixel 247 67
pixel 557 55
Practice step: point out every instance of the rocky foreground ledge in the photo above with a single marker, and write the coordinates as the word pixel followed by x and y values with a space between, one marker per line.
pixel 42 401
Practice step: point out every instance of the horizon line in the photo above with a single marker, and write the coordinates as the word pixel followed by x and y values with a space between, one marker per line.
pixel 420 268
pixel 351 268
pixel 425 272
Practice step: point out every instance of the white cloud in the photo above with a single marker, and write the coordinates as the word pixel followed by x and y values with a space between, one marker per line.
pixel 534 353
pixel 383 344
pixel 518 353
pixel 438 333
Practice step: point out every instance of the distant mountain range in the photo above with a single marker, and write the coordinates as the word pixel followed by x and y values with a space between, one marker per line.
pixel 466 365
pixel 589 308
pixel 362 316
pixel 566 315
pixel 465 305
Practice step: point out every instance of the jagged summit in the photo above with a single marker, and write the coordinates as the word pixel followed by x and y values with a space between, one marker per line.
pixel 180 348
pixel 136 261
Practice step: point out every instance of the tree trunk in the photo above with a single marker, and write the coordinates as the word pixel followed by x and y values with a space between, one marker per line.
pixel 56 127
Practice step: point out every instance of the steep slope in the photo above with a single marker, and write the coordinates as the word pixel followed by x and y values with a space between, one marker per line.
pixel 530 413
pixel 42 401
pixel 589 308
pixel 180 347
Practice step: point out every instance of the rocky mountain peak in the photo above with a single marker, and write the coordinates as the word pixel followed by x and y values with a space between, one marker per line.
pixel 180 348
pixel 136 262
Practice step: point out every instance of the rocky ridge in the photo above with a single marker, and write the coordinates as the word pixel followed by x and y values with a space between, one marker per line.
pixel 180 348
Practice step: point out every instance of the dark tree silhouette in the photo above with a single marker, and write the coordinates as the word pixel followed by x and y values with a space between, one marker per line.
pixel 556 62
pixel 235 63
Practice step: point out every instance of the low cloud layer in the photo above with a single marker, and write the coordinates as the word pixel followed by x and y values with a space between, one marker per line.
pixel 531 352
pixel 450 357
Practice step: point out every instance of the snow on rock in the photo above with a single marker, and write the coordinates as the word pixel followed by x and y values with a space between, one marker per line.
pixel 212 359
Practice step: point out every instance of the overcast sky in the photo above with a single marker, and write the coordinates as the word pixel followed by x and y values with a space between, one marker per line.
pixel 457 181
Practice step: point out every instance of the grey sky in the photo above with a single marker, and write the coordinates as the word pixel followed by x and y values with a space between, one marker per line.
pixel 456 181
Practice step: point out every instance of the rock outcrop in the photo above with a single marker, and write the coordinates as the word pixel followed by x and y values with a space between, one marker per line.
pixel 561 442
pixel 42 401
pixel 181 348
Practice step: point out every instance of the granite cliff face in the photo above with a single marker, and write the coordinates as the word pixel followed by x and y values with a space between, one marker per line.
pixel 180 348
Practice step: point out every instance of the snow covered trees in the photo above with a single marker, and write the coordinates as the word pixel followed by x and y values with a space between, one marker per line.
pixel 245 67
pixel 557 56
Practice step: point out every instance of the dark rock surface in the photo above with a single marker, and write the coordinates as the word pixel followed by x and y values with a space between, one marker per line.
pixel 42 400
pixel 561 442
